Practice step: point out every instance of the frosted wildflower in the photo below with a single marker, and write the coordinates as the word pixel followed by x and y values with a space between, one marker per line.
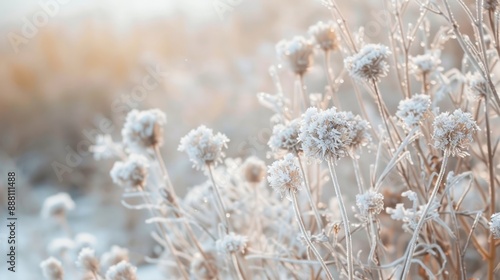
pixel 104 147
pixel 144 129
pixel 253 170
pixel 231 243
pixel 370 64
pixel 425 63
pixel 87 260
pixel 122 271
pixel 370 202
pixel 412 111
pixel 83 240
pixel 476 84
pixel 132 173
pixel 57 205
pixel 60 246
pixel 360 135
pixel 324 35
pixel 198 268
pixel 203 147
pixel 326 134
pixel 114 256
pixel 285 137
pixel 298 52
pixel 52 269
pixel 490 5
pixel 284 176
pixel 453 132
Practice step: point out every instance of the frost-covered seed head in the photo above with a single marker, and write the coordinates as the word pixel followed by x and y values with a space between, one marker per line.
pixel 477 85
pixel 412 110
pixel 144 129
pixel 286 137
pixel 122 271
pixel 369 64
pixel 425 63
pixel 60 246
pixel 298 52
pixel 490 5
pixel 114 256
pixel 327 134
pixel 324 35
pixel 87 260
pixel 132 173
pixel 360 127
pixel 370 202
pixel 52 269
pixel 57 205
pixel 495 225
pixel 203 147
pixel 284 175
pixel 231 243
pixel 104 147
pixel 84 239
pixel 453 132
pixel 253 170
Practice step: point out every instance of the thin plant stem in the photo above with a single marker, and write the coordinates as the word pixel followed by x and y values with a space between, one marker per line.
pixel 303 92
pixel 237 267
pixel 308 192
pixel 421 222
pixel 492 251
pixel 306 236
pixel 345 219
pixel 218 198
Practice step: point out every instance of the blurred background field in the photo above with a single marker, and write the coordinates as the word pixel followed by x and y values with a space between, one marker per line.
pixel 82 66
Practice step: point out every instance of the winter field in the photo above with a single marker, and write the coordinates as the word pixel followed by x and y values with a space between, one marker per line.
pixel 235 139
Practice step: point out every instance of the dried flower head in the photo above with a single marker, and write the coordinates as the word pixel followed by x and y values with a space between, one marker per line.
pixel 286 137
pixel 85 240
pixel 425 63
pixel 114 256
pixel 477 84
pixel 370 202
pixel 284 175
pixel 143 129
pixel 253 170
pixel 104 147
pixel 453 132
pixel 324 35
pixel 298 52
pixel 60 246
pixel 52 269
pixel 360 132
pixel 495 225
pixel 231 243
pixel 203 147
pixel 132 173
pixel 370 64
pixel 327 134
pixel 122 271
pixel 490 5
pixel 87 260
pixel 412 110
pixel 57 205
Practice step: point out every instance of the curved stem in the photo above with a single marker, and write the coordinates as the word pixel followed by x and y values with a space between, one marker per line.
pixel 421 222
pixel 306 236
pixel 237 267
pixel 345 219
pixel 309 195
